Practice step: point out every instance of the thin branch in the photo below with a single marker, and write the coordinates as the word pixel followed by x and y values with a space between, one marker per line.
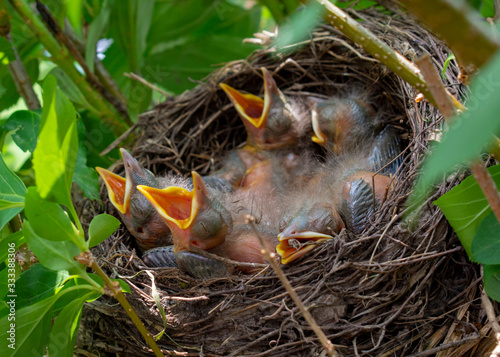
pixel 16 67
pixel 376 47
pixel 118 140
pixel 100 71
pixel 61 57
pixel 445 104
pixel 488 187
pixel 490 313
pixel 456 23
pixel 61 37
pixel 146 83
pixel 327 344
pixel 115 290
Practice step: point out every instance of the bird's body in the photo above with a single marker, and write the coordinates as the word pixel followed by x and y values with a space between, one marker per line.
pixel 310 217
pixel 385 153
pixel 227 210
pixel 295 201
pixel 357 190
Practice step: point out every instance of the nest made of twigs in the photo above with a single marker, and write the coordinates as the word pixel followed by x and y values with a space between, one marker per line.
pixel 387 292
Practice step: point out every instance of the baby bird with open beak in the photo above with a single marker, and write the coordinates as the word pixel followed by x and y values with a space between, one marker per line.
pixel 138 215
pixel 274 122
pixel 231 237
pixel 195 215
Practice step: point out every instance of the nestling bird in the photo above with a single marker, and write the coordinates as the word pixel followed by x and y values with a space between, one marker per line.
pixel 310 217
pixel 138 215
pixel 273 122
pixel 219 232
pixel 343 193
pixel 342 124
pixel 362 192
pixel 195 217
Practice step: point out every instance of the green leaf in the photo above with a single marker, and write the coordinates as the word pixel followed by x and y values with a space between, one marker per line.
pixel 486 243
pixel 26 124
pixel 63 334
pixel 85 177
pixel 131 16
pixel 301 23
pixel 48 219
pixel 57 148
pixel 144 14
pixel 465 207
pixel 450 58
pixel 38 283
pixel 101 227
pixel 97 138
pixel 52 255
pixel 70 89
pixel 5 288
pixel 8 277
pixel 32 328
pixel 187 38
pixel 96 30
pixel 491 279
pixel 13 241
pixel 11 188
pixel 487 8
pixel 469 134
pixel 11 201
pixel 123 284
pixel 68 293
pixel 74 14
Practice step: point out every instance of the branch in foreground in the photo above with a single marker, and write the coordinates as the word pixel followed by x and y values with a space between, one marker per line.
pixel 448 109
pixel 61 57
pixel 115 290
pixel 456 23
pixel 327 344
pixel 376 47
pixel 60 35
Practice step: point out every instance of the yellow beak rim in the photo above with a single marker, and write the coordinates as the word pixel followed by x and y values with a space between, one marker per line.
pixel 173 203
pixel 251 108
pixel 117 189
pixel 307 241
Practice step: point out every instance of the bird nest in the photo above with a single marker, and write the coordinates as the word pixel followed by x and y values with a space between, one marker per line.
pixel 390 291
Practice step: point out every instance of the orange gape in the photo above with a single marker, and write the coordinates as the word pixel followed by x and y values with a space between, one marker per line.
pixel 116 186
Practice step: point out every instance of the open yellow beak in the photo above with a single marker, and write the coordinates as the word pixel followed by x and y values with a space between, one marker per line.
pixel 175 204
pixel 251 108
pixel 117 189
pixel 292 247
